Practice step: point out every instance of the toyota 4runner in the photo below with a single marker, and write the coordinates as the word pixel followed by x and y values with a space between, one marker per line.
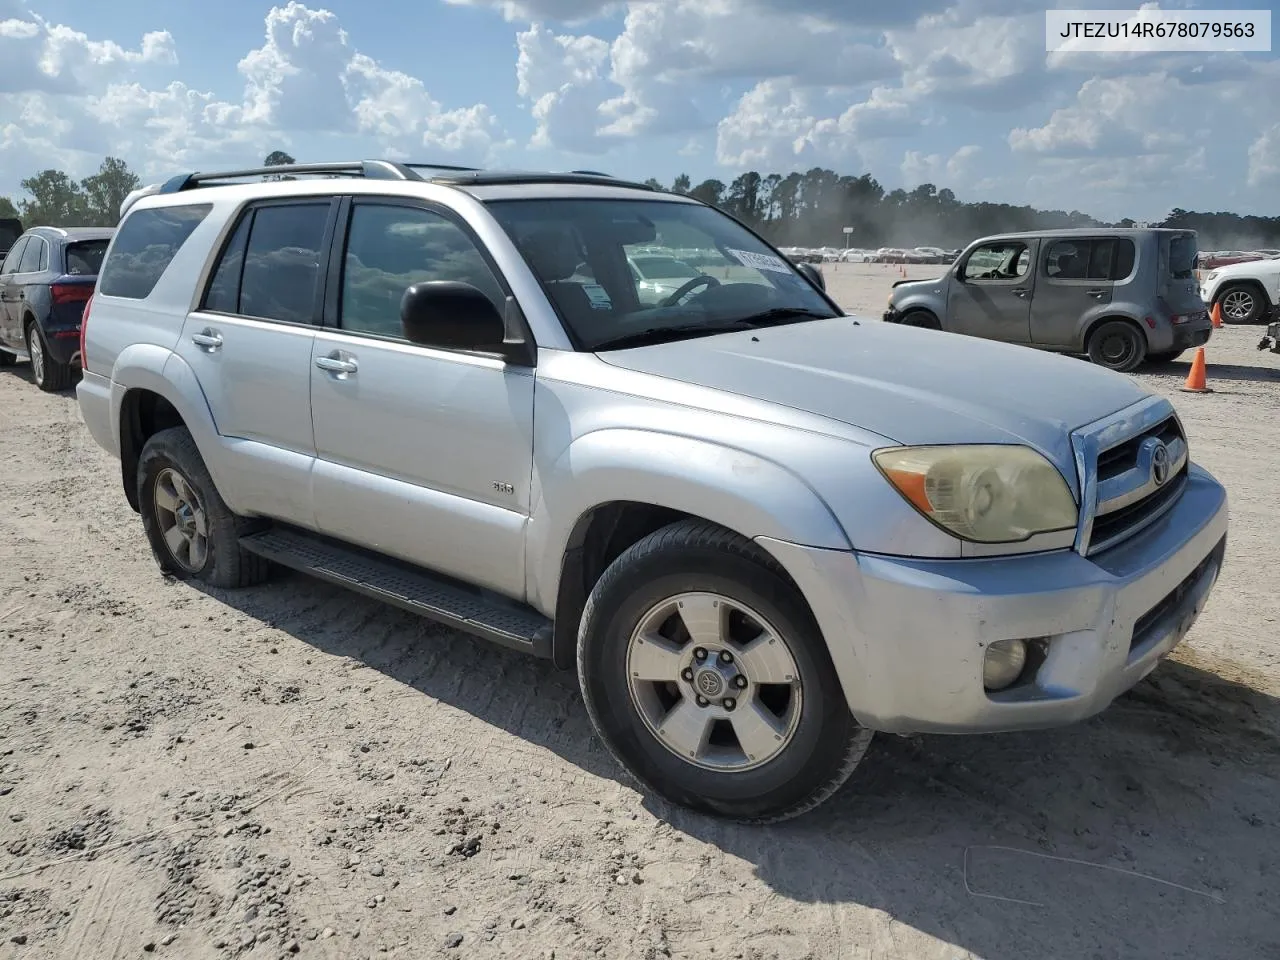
pixel 758 528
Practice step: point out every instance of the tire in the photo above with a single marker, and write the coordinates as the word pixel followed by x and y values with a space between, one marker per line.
pixel 921 318
pixel 49 375
pixel 1117 345
pixel 1240 303
pixel 697 563
pixel 172 463
pixel 1167 356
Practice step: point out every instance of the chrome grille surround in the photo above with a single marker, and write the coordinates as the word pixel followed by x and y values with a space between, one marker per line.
pixel 1120 461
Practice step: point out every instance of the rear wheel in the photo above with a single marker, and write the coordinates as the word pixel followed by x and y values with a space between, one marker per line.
pixel 1240 303
pixel 193 533
pixel 1117 345
pixel 704 674
pixel 49 375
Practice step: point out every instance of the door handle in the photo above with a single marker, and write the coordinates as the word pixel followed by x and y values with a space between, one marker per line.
pixel 1021 291
pixel 1097 294
pixel 335 365
pixel 208 339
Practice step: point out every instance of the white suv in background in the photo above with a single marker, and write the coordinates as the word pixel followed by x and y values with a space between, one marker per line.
pixel 759 529
pixel 1246 292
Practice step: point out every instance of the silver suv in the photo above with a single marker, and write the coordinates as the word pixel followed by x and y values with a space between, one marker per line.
pixel 1120 296
pixel 758 528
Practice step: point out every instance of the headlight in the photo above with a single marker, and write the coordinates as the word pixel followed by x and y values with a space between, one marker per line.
pixel 1210 275
pixel 985 493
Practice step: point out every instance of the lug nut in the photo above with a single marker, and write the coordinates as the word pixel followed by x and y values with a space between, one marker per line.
pixel 701 701
pixel 729 703
pixel 699 654
pixel 740 682
pixel 726 656
pixel 687 675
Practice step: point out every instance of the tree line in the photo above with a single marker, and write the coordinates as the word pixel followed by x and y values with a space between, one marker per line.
pixel 806 209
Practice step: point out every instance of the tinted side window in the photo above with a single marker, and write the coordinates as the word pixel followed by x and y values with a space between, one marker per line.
pixel 223 295
pixel 33 255
pixel 145 245
pixel 391 248
pixel 15 256
pixel 282 262
pixel 1122 261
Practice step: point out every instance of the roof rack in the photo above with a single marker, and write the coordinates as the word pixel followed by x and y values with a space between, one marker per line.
pixel 369 169
pixel 441 173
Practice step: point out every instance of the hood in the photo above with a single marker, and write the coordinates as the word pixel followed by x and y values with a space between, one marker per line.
pixel 1249 268
pixel 911 385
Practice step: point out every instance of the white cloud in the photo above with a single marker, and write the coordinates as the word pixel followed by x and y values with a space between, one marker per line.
pixel 953 172
pixel 68 100
pixel 1264 158
pixel 563 80
pixel 562 11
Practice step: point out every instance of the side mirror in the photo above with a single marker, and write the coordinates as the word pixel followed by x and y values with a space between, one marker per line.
pixel 455 315
pixel 814 275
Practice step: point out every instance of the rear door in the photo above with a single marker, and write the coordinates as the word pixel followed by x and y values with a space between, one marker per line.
pixel 250 347
pixel 1177 284
pixel 1077 282
pixel 990 292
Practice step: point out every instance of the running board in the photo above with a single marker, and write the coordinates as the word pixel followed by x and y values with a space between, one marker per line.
pixel 410 588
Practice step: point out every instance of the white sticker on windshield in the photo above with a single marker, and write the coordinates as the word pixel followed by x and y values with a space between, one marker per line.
pixel 598 296
pixel 760 261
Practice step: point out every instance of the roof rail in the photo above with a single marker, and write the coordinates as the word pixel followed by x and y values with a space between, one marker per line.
pixel 370 169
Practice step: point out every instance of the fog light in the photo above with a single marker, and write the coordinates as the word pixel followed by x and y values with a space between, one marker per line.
pixel 1003 664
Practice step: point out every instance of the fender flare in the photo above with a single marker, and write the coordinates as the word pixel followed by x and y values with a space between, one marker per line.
pixel 737 489
pixel 158 370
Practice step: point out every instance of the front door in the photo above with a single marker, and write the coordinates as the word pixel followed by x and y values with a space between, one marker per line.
pixel 10 306
pixel 990 293
pixel 250 347
pixel 1077 277
pixel 422 454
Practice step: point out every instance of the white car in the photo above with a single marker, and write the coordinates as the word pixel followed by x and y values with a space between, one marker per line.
pixel 658 276
pixel 1245 292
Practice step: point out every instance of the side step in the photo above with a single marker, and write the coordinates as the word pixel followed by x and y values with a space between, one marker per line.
pixel 410 588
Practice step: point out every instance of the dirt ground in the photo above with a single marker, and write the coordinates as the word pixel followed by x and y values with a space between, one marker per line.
pixel 295 770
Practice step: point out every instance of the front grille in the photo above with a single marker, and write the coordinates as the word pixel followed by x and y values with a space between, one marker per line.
pixel 1120 460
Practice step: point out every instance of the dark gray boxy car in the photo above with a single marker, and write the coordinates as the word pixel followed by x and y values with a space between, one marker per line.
pixel 1120 296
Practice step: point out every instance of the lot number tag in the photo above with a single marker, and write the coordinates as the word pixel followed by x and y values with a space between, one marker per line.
pixel 761 261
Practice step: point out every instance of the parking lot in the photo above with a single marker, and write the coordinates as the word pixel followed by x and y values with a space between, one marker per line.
pixel 294 769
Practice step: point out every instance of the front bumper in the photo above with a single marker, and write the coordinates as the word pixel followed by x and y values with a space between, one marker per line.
pixel 908 637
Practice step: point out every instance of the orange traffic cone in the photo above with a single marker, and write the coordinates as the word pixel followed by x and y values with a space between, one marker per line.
pixel 1216 315
pixel 1195 379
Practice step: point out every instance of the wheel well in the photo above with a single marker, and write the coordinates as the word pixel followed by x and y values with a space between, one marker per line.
pixel 598 538
pixel 142 415
pixel 1088 334
pixel 1255 285
pixel 925 310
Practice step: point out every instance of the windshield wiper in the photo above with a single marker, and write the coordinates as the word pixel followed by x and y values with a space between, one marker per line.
pixel 651 335
pixel 783 314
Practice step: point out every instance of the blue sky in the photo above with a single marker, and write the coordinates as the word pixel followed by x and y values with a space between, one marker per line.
pixel 959 93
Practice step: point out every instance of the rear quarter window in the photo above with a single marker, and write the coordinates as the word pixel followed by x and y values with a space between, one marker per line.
pixel 145 245
pixel 84 259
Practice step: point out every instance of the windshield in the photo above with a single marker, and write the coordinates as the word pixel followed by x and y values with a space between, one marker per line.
pixel 1183 251
pixel 582 251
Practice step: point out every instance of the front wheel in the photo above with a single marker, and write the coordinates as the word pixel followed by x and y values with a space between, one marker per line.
pixel 706 677
pixel 1117 345
pixel 921 318
pixel 1240 303
pixel 193 533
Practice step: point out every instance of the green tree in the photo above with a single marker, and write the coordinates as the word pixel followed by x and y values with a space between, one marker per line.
pixel 681 184
pixel 106 190
pixel 7 210
pixel 654 183
pixel 278 158
pixel 709 191
pixel 56 201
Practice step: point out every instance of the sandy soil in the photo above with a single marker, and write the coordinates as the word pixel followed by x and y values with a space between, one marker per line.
pixel 295 770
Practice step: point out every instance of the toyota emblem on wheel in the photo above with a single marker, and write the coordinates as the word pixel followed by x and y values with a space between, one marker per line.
pixel 710 684
pixel 1160 464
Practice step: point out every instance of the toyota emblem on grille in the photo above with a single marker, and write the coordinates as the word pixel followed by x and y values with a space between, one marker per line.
pixel 1160 464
